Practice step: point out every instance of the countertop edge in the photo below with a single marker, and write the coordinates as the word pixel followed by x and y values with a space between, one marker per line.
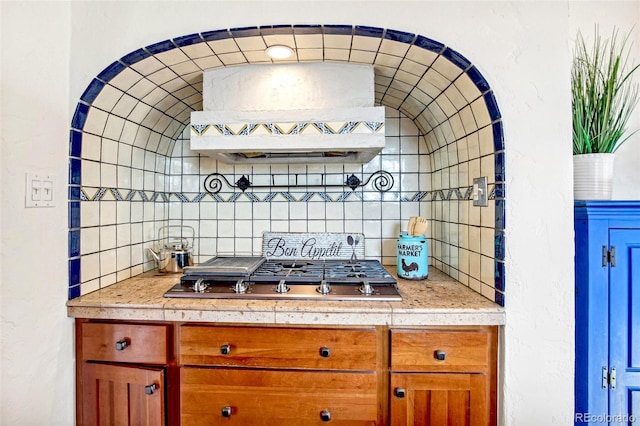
pixel 438 301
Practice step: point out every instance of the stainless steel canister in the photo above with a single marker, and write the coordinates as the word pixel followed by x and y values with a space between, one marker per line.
pixel 413 255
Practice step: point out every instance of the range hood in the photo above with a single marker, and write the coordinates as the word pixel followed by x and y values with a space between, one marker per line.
pixel 289 113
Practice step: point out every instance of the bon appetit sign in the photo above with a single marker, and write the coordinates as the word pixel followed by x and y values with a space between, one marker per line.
pixel 312 246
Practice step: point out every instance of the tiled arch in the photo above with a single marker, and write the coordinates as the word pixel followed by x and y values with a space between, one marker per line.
pixel 130 170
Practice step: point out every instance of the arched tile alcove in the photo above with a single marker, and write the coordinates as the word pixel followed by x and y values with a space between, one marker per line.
pixel 131 170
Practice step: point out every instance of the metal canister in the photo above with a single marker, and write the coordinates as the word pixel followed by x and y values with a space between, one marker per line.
pixel 413 255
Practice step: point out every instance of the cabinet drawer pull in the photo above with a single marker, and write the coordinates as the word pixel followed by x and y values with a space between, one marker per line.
pixel 325 352
pixel 122 344
pixel 440 355
pixel 399 392
pixel 150 389
pixel 225 350
pixel 226 411
pixel 325 415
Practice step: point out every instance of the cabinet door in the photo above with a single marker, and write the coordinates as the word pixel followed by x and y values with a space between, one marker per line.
pixel 117 395
pixel 624 326
pixel 436 399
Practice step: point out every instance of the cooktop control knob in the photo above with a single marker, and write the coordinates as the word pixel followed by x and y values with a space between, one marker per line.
pixel 199 286
pixel 366 288
pixel 324 288
pixel 240 287
pixel 282 287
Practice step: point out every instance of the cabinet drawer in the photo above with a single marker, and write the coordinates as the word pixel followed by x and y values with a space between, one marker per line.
pixel 125 343
pixel 271 397
pixel 441 350
pixel 278 347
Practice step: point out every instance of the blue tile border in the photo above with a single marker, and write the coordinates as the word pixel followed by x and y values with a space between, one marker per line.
pixel 80 116
pixel 499 244
pixel 74 215
pixel 478 79
pixel 276 29
pixel 400 36
pixel 499 164
pixel 215 35
pixel 492 106
pixel 338 29
pixel 361 30
pixel 456 58
pixel 93 90
pixel 75 171
pixel 75 144
pixel 428 44
pixel 111 71
pixel 245 32
pixel 188 40
pixel 498 136
pixel 163 46
pixel 307 29
pixel 500 214
pixel 74 272
pixel 74 243
pixel 499 275
pixel 135 56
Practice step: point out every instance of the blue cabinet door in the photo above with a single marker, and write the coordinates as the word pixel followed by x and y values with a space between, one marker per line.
pixel 624 327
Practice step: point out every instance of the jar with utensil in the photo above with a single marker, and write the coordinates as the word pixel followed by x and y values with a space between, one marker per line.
pixel 413 251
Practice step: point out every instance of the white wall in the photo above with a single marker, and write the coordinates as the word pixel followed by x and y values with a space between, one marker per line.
pixel 51 51
pixel 37 370
pixel 583 16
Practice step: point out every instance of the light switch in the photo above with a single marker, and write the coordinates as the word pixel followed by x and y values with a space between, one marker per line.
pixel 47 190
pixel 39 190
pixel 480 192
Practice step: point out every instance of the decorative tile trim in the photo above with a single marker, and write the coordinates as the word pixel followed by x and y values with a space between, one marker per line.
pixel 114 194
pixel 288 128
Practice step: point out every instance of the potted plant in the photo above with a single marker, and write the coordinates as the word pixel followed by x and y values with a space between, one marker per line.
pixel 603 98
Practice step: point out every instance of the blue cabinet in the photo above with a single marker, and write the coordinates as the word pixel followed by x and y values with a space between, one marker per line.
pixel 607 312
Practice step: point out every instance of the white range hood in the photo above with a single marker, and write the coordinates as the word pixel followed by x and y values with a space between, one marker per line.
pixel 289 113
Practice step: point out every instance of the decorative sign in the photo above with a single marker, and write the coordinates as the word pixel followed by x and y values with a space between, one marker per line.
pixel 320 246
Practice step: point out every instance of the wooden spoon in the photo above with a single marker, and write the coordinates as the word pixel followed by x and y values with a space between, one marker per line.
pixel 420 226
pixel 411 224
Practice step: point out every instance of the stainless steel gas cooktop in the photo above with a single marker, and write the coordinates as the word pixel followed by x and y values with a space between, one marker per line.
pixel 261 278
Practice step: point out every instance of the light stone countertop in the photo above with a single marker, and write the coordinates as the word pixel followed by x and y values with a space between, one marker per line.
pixel 438 300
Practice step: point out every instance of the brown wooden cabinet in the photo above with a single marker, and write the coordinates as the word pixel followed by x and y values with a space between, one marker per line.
pixel 120 395
pixel 200 373
pixel 443 376
pixel 122 373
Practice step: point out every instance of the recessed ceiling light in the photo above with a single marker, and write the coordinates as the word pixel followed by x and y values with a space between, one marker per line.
pixel 279 51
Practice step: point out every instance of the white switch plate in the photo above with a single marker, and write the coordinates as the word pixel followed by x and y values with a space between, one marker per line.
pixel 40 190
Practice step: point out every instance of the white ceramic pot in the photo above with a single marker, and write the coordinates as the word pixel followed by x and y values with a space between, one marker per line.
pixel 593 176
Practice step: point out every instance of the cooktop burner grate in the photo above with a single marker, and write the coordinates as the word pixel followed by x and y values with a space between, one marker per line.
pixel 277 279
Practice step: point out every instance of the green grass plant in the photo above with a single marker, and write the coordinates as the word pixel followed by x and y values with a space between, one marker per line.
pixel 603 93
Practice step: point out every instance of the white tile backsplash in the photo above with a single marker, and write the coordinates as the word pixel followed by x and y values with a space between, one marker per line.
pixel 134 149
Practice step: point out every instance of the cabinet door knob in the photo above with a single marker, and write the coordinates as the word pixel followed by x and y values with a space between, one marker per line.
pixel 325 415
pixel 399 392
pixel 225 349
pixel 440 355
pixel 150 389
pixel 226 411
pixel 122 344
pixel 325 352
